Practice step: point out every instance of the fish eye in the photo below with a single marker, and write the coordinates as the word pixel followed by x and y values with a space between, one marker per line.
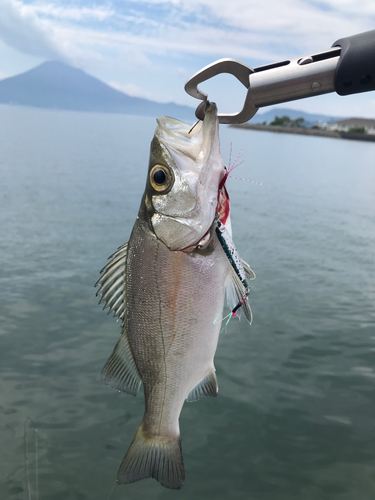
pixel 161 178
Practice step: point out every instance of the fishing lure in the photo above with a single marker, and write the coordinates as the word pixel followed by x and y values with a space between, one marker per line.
pixel 235 260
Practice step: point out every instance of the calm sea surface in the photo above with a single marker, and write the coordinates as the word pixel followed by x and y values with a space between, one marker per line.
pixel 295 416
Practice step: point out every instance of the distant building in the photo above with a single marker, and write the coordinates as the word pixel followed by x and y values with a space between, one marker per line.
pixel 348 123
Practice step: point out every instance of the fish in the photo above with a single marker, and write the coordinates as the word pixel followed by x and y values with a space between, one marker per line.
pixel 167 285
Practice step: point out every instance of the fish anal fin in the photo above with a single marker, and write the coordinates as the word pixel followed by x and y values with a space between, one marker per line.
pixel 120 371
pixel 155 457
pixel 206 387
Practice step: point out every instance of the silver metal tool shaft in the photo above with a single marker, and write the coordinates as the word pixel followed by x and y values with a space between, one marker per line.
pixel 294 79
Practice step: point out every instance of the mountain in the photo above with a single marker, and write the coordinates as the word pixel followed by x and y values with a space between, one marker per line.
pixel 310 119
pixel 56 85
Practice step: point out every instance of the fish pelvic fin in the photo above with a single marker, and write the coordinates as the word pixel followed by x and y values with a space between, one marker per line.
pixel 120 371
pixel 155 457
pixel 206 387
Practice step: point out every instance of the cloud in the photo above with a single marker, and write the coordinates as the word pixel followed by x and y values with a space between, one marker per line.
pixel 71 13
pixel 132 90
pixel 240 28
pixel 288 16
pixel 138 33
pixel 21 29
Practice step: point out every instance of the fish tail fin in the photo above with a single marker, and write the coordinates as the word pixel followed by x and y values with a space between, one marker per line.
pixel 157 457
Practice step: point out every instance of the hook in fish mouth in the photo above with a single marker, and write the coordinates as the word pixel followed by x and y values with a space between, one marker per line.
pixel 204 242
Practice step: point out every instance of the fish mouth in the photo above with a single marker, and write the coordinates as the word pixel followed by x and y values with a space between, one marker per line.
pixel 184 138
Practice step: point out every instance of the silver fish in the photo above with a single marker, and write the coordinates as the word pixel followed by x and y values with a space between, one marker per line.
pixel 167 286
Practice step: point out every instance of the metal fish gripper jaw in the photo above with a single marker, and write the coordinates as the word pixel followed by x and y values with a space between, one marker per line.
pixel 348 67
pixel 236 68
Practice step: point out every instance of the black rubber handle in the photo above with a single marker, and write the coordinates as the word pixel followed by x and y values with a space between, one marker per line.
pixel 355 71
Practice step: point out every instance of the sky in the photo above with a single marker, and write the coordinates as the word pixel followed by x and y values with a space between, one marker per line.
pixel 150 48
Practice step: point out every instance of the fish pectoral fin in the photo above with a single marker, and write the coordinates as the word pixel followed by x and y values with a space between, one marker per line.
pixel 206 387
pixel 250 275
pixel 112 283
pixel 120 371
pixel 234 291
pixel 159 457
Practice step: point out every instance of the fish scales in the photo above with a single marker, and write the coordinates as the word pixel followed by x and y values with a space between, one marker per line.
pixel 171 279
pixel 175 334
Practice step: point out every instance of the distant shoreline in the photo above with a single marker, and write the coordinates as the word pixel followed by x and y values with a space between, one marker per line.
pixel 307 131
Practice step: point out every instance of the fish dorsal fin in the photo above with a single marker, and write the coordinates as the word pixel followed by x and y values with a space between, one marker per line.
pixel 120 371
pixel 234 290
pixel 112 283
pixel 206 387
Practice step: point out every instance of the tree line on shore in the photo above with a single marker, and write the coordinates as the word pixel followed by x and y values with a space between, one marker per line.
pixel 285 121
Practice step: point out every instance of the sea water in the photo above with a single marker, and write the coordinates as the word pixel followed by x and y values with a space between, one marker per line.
pixel 295 415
